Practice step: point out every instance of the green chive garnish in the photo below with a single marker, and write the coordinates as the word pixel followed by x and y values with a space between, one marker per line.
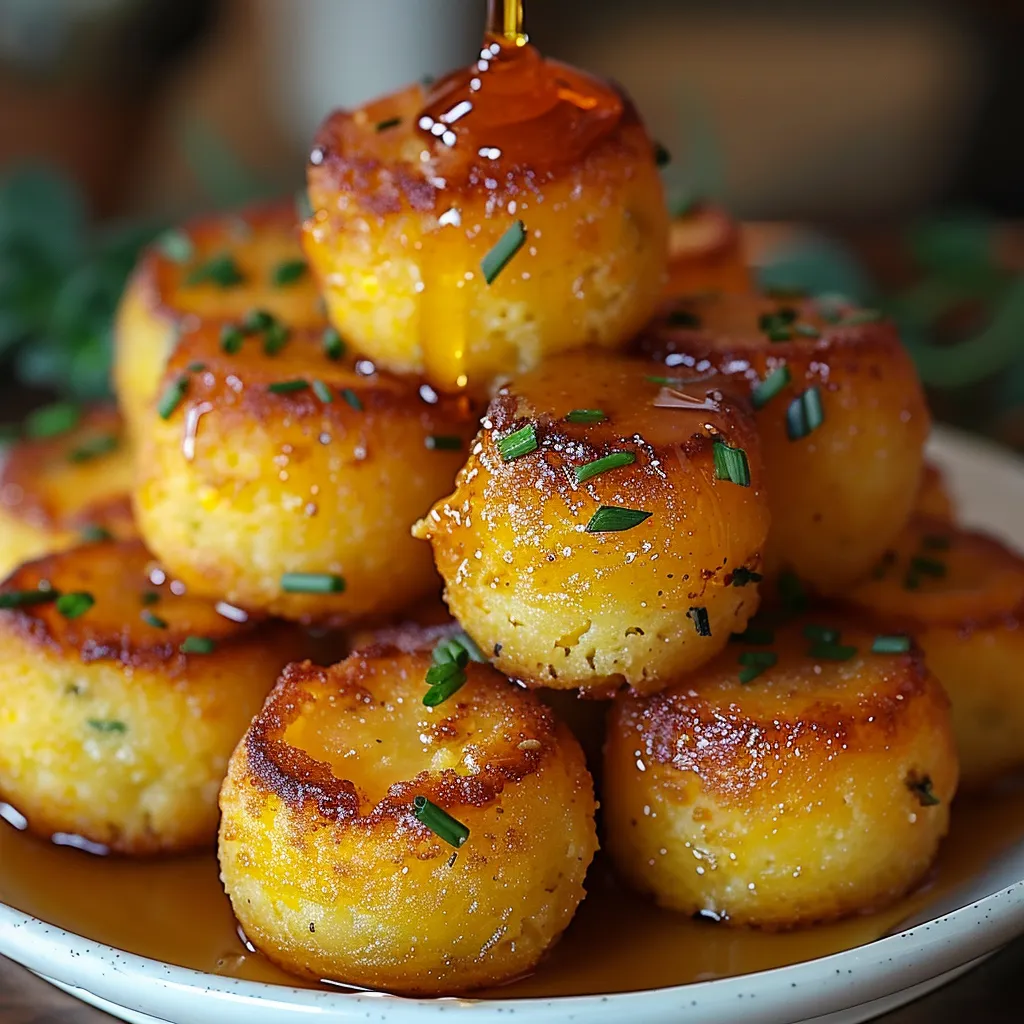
pixel 312 583
pixel 334 347
pixel 196 367
pixel 231 339
pixel 75 605
pixel 922 789
pixel 105 725
pixel 173 396
pixel 257 320
pixel 662 157
pixel 221 270
pixel 352 398
pixel 586 416
pixel 52 420
pixel 807 330
pixel 759 636
pixel 701 622
pixel 821 634
pixel 176 246
pixel 149 597
pixel 743 576
pixel 731 464
pixel 780 318
pixel 832 651
pixel 673 382
pixel 613 461
pixel 153 620
pixel 499 257
pixel 288 272
pixel 391 122
pixel 275 337
pixel 894 644
pixel 197 645
pixel 519 443
pixel 860 316
pixel 287 387
pixel 28 598
pixel 927 566
pixel 764 391
pixel 754 663
pixel 443 442
pixel 454 647
pixel 805 414
pixel 440 822
pixel 444 681
pixel 101 444
pixel 612 519
pixel 95 534
pixel 323 392
pixel 684 318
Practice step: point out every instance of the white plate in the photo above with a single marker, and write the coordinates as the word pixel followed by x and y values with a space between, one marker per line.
pixel 948 938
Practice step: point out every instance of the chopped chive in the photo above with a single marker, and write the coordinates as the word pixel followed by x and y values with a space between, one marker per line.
pixel 822 634
pixel 455 646
pixel 323 392
pixel 153 620
pixel 731 464
pixel 447 684
pixel 936 542
pixel 613 519
pixel 312 583
pixel 221 270
pixel 764 391
pixel 75 604
pixel 176 246
pixel 173 396
pixel 231 339
pixel 275 337
pixel 95 534
pixel 334 347
pixel 149 597
pixel 391 122
pixel 101 444
pixel 700 619
pixel 759 636
pixel 894 644
pixel 662 157
pixel 832 651
pixel 257 321
pixel 684 318
pixel 805 414
pixel 807 330
pixel 927 566
pixel 792 593
pixel 586 416
pixel 742 576
pixel 440 822
pixel 27 598
pixel 755 663
pixel 197 645
pixel 922 789
pixel 860 316
pixel 287 387
pixel 52 420
pixel 613 461
pixel 196 367
pixel 288 272
pixel 781 317
pixel 443 442
pixel 519 443
pixel 776 334
pixel 352 398
pixel 673 382
pixel 507 246
pixel 107 725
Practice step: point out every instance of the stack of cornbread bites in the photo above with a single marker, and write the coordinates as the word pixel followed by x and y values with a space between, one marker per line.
pixel 503 377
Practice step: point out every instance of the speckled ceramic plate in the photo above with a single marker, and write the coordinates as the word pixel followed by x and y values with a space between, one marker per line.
pixel 949 937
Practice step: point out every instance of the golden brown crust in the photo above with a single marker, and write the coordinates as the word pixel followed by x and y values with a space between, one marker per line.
pixel 119 575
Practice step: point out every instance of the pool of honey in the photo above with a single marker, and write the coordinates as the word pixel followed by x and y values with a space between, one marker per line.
pixel 175 911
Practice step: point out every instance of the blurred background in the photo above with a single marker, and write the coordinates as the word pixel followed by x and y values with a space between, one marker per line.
pixel 871 148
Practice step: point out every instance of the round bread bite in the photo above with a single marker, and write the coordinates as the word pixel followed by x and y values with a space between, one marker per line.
pixel 221 269
pixel 122 698
pixel 285 480
pixel 371 839
pixel 67 483
pixel 960 594
pixel 705 253
pixel 841 416
pixel 798 778
pixel 509 212
pixel 607 528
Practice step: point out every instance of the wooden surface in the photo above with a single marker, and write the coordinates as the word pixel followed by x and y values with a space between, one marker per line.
pixel 990 994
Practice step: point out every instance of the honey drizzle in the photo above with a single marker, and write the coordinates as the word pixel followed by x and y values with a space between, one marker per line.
pixel 175 911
